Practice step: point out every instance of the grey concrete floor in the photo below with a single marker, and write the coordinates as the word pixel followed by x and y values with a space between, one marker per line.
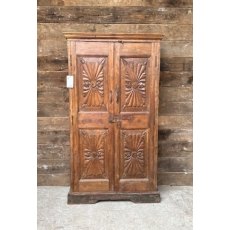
pixel 173 213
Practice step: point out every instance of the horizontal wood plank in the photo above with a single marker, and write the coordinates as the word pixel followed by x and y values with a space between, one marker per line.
pixel 175 121
pixel 53 123
pixel 175 148
pixel 53 95
pixel 155 3
pixel 175 94
pixel 54 179
pixel 175 164
pixel 175 108
pixel 54 31
pixel 115 15
pixel 176 79
pixel 175 178
pixel 176 64
pixel 168 48
pixel 53 137
pixel 53 166
pixel 171 134
pixel 51 80
pixel 52 63
pixel 53 110
pixel 53 151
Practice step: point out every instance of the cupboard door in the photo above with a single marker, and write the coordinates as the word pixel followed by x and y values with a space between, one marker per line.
pixel 134 109
pixel 92 64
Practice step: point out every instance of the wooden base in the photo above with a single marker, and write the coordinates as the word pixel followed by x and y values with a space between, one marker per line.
pixel 92 198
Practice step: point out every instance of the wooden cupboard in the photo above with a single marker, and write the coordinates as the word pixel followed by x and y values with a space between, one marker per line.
pixel 113 116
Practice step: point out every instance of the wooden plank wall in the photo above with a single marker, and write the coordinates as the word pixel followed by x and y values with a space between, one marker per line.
pixel 173 18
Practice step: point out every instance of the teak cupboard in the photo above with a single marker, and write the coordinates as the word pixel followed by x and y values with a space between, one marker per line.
pixel 113 116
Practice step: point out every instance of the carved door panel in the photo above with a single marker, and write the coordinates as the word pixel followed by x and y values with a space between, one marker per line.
pixel 92 65
pixel 134 109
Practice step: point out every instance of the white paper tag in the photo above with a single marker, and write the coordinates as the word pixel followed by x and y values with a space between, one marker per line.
pixel 69 81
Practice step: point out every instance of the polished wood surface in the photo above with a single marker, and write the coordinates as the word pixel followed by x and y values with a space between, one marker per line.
pixel 114 117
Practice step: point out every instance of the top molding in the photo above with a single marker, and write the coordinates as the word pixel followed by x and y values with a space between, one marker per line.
pixel 115 36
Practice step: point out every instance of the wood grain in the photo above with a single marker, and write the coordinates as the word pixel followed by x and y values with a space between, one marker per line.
pixel 164 178
pixel 175 178
pixel 53 123
pixel 168 48
pixel 175 148
pixel 155 3
pixel 54 31
pixel 171 134
pixel 184 121
pixel 53 151
pixel 60 63
pixel 171 18
pixel 175 108
pixel 177 64
pixel 53 166
pixel 51 80
pixel 115 15
pixel 176 79
pixel 52 96
pixel 53 110
pixel 56 179
pixel 175 94
pixel 175 164
pixel 52 63
pixel 53 137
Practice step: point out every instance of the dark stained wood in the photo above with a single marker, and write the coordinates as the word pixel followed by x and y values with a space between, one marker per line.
pixel 171 32
pixel 84 198
pixel 155 3
pixel 174 148
pixel 177 64
pixel 52 63
pixel 113 137
pixel 175 108
pixel 118 15
pixel 175 178
pixel 175 164
pixel 176 79
pixel 174 134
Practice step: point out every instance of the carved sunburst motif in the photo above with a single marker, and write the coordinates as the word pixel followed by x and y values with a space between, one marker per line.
pixel 93 83
pixel 135 83
pixel 93 152
pixel 134 155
